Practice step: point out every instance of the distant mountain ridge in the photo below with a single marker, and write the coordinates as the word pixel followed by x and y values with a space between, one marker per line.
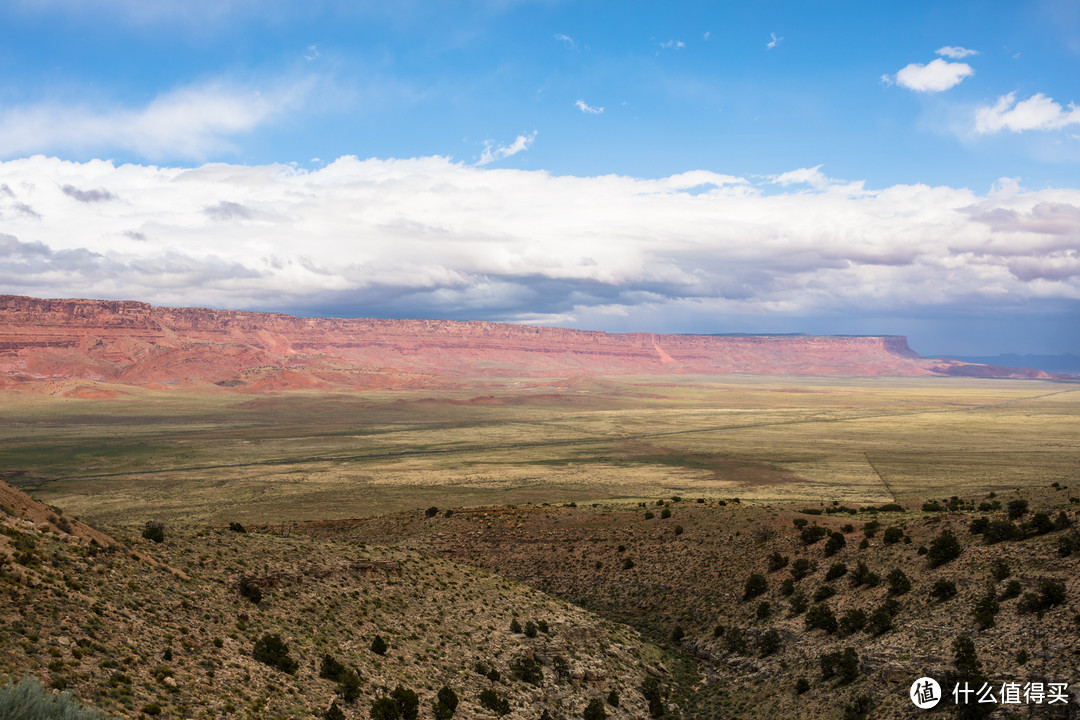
pixel 135 343
pixel 1050 363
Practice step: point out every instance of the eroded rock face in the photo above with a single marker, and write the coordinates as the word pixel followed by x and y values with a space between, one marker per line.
pixel 137 344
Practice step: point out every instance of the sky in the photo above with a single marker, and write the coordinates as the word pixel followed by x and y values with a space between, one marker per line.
pixel 833 167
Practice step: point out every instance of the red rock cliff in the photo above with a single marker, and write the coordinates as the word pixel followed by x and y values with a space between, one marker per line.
pixel 135 343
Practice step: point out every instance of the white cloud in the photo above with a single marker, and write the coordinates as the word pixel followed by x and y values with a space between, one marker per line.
pixel 588 109
pixel 955 53
pixel 191 122
pixel 492 152
pixel 706 35
pixel 773 42
pixel 1038 112
pixel 936 76
pixel 566 40
pixel 673 45
pixel 428 236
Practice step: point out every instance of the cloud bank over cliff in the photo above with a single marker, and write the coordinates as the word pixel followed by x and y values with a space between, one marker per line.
pixel 431 237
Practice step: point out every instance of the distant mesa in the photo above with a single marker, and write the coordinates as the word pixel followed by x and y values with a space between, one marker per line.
pixel 132 343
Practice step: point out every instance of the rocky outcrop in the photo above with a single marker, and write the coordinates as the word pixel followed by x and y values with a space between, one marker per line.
pixel 137 344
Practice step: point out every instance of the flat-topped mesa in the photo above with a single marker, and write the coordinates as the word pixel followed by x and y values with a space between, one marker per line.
pixel 138 344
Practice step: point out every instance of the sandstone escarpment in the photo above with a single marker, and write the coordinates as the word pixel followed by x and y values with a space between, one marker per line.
pixel 138 344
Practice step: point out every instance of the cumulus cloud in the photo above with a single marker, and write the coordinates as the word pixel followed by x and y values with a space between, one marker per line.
pixel 432 237
pixel 187 123
pixel 588 109
pixel 1038 112
pixel 955 53
pixel 494 152
pixel 936 76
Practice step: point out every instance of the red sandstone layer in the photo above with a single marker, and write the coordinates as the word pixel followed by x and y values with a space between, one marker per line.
pixel 137 344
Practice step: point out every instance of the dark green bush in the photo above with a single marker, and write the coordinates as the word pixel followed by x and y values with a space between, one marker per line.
pixel 820 616
pixel 248 589
pixel 764 609
pixel 836 570
pixel 385 708
pixel 800 568
pixel 1000 569
pixel 627 564
pixel 870 529
pixel 978 525
pixel 824 593
pixel 898 582
pixel 650 690
pixel 797 604
pixel 852 621
pixel 835 544
pixel 1040 524
pixel 943 590
pixel 843 665
pixel 812 534
pixel 527 669
pixel 331 669
pixel 515 626
pixel 1017 508
pixel 664 515
pixel 932 506
pixel 986 608
pixel 154 530
pixel 595 710
pixel 530 629
pixel 862 575
pixel 1051 593
pixel 770 642
pixel 1013 588
pixel 273 651
pixel 446 703
pixel 943 548
pixel 333 712
pixel 735 640
pixel 379 646
pixel 677 634
pixel 777 562
pixel 1000 530
pixel 755 585
pixel 892 535
pixel 491 700
pixel 800 523
pixel 801 685
pixel 879 622
pixel 408 703
pixel 237 527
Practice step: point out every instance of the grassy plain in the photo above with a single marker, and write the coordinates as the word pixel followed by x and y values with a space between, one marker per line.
pixel 303 456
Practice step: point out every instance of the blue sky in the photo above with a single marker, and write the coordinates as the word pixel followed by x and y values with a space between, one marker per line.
pixel 822 167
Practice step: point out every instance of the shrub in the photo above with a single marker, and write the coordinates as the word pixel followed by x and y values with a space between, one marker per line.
pixel 1050 594
pixel 527 669
pixel 932 506
pixel 764 609
pixel 1000 530
pixel 530 629
pixel 820 616
pixel 379 646
pixel 385 708
pixel 986 608
pixel 1013 588
pixel 824 593
pixel 756 584
pixel 649 515
pixel 943 548
pixel 835 544
pixel 1017 508
pixel 989 506
pixel 1000 569
pixel 800 523
pixel 898 582
pixel 787 587
pixel 843 665
pixel 627 564
pixel 837 570
pixel 735 640
pixel 431 511
pixel 154 530
pixel 613 698
pixel 331 669
pixel 812 534
pixel 879 622
pixel 978 525
pixel 801 685
pixel 515 626
pixel 1040 524
pixel 770 642
pixel 870 529
pixel 273 651
pixel 801 568
pixel 777 562
pixel 892 535
pixel 248 589
pixel 798 604
pixel 491 700
pixel 408 703
pixel 595 710
pixel 965 658
pixel 852 621
pixel 678 529
pixel 943 590
pixel 862 575
pixel 30 700
pixel 333 712
pixel 664 515
pixel 446 703
pixel 237 527
pixel 650 690
pixel 677 634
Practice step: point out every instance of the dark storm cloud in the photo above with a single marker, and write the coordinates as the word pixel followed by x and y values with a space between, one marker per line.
pixel 87 196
